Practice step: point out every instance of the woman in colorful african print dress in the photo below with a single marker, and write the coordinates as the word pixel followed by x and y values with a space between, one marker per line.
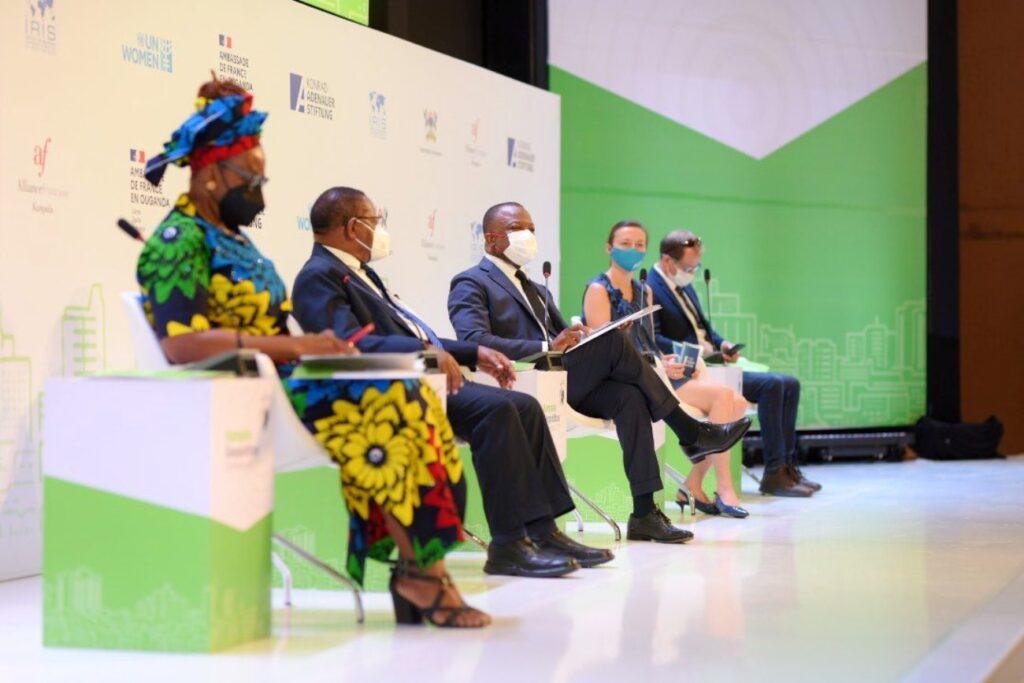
pixel 208 290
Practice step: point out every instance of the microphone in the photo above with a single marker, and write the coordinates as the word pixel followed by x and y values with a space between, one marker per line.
pixel 643 292
pixel 707 290
pixel 547 275
pixel 130 230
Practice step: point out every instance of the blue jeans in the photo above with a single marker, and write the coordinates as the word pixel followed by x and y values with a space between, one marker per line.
pixel 777 397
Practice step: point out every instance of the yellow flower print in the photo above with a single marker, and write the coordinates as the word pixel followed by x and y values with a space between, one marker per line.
pixel 198 323
pixel 379 446
pixel 239 306
pixel 444 436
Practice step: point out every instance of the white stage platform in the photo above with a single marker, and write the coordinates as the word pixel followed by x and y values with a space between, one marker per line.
pixel 910 571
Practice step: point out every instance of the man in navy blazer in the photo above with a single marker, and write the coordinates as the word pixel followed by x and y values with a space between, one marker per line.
pixel 521 478
pixel 682 319
pixel 496 304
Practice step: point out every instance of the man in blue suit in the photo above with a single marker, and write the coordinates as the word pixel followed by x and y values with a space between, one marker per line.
pixel 496 304
pixel 682 319
pixel 521 478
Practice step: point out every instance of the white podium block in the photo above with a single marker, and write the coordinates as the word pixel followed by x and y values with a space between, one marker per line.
pixel 157 504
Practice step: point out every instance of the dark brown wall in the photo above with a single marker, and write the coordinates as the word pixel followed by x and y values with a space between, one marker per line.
pixel 991 55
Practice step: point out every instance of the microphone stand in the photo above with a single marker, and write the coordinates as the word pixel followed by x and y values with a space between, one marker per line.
pixel 707 290
pixel 553 361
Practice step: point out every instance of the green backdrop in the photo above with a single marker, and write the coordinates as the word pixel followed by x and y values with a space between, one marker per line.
pixel 819 247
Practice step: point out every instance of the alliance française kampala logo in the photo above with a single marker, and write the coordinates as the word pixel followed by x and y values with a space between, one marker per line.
pixel 41 27
pixel 310 96
pixel 151 52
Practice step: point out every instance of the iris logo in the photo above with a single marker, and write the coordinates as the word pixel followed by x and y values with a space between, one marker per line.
pixel 137 155
pixel 378 115
pixel 41 27
pixel 39 157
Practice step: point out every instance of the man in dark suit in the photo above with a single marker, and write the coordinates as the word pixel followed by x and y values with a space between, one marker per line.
pixel 496 304
pixel 682 319
pixel 521 478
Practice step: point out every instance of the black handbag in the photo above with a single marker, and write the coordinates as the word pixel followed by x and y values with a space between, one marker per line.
pixel 957 441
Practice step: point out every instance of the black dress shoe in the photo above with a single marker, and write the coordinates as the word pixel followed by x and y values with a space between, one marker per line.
pixel 524 558
pixel 796 475
pixel 712 438
pixel 655 526
pixel 778 483
pixel 559 543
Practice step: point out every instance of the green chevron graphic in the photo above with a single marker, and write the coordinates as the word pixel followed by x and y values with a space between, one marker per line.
pixel 119 573
pixel 822 240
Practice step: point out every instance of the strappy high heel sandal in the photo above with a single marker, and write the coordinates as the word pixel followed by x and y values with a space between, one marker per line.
pixel 687 500
pixel 408 613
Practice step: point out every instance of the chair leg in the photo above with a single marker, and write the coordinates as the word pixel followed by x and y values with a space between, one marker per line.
pixel 601 513
pixel 327 569
pixel 747 471
pixel 677 476
pixel 286 577
pixel 476 539
pixel 579 520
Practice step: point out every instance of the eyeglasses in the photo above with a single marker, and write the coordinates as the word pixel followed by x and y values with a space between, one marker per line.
pixel 689 270
pixel 252 180
pixel 381 219
pixel 692 242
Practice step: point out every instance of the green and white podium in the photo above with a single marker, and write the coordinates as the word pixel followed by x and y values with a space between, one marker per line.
pixel 157 501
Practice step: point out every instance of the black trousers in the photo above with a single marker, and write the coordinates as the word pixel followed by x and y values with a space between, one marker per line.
pixel 609 379
pixel 521 478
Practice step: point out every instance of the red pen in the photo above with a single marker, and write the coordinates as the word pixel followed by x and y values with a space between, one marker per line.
pixel 363 331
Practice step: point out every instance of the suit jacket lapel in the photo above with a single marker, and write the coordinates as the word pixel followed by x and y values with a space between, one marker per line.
pixel 670 297
pixel 355 280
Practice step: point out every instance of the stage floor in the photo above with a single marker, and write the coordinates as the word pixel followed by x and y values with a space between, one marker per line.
pixel 911 571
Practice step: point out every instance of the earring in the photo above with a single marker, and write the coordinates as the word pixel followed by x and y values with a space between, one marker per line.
pixel 211 185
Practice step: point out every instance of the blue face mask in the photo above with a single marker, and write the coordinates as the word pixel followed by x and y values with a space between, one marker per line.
pixel 627 259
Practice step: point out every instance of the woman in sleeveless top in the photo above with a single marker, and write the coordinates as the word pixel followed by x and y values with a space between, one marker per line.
pixel 615 294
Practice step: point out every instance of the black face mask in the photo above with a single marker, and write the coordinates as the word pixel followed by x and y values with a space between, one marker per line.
pixel 240 206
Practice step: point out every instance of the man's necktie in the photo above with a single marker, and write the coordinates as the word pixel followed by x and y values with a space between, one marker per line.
pixel 402 310
pixel 692 309
pixel 536 303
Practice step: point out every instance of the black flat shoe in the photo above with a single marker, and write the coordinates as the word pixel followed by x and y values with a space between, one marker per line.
pixel 712 438
pixel 655 526
pixel 798 476
pixel 406 612
pixel 559 543
pixel 525 558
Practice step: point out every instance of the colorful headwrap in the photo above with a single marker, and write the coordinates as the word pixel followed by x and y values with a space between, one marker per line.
pixel 219 129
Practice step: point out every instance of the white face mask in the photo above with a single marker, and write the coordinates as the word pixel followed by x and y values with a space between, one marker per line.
pixel 381 246
pixel 682 278
pixel 522 247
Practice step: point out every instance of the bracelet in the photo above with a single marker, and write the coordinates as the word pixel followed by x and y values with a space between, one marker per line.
pixel 238 339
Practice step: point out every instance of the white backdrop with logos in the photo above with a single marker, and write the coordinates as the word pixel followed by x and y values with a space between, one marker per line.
pixel 91 90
